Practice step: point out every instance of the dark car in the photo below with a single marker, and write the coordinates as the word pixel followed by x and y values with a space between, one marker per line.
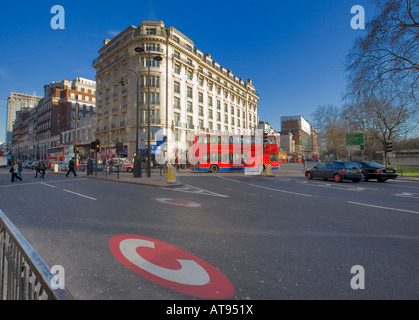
pixel 372 170
pixel 336 170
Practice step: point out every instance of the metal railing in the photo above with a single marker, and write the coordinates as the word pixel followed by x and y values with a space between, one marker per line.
pixel 23 273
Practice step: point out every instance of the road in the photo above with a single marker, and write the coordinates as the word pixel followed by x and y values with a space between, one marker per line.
pixel 281 237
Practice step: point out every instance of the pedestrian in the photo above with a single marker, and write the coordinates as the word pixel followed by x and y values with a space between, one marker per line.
pixel 71 168
pixel 111 166
pixel 19 164
pixel 43 168
pixel 37 169
pixel 89 166
pixel 15 172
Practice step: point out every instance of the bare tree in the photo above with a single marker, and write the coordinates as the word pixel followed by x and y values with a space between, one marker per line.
pixel 331 127
pixel 383 118
pixel 388 55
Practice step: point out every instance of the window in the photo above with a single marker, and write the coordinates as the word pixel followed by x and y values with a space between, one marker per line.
pixel 189 106
pixel 189 92
pixel 176 103
pixel 154 81
pixel 189 75
pixel 177 69
pixel 201 97
pixel 151 31
pixel 177 87
pixel 145 62
pixel 190 122
pixel 176 119
pixel 201 111
pixel 210 101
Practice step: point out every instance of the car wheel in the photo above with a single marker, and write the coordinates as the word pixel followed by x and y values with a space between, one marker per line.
pixel 309 175
pixel 337 178
pixel 381 179
pixel 214 168
pixel 129 170
pixel 364 177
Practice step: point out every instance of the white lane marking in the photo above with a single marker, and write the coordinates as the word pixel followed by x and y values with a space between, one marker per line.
pixel 408 195
pixel 284 191
pixel 380 207
pixel 48 185
pixel 228 179
pixel 18 183
pixel 79 194
pixel 192 189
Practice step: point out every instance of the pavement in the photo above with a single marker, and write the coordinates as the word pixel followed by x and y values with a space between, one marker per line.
pixel 156 179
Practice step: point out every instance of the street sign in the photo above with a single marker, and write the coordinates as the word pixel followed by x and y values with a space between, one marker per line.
pixel 141 140
pixel 355 141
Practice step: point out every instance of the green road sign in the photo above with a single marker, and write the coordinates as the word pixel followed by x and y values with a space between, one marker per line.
pixel 355 141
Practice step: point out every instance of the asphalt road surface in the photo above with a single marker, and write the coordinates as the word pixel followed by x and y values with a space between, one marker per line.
pixel 224 236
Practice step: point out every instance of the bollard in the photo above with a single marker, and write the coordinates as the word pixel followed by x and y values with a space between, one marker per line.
pixel 171 174
pixel 269 169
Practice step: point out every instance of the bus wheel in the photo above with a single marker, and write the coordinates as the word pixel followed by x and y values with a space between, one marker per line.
pixel 214 168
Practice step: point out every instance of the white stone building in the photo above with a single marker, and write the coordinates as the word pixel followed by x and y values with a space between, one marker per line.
pixel 189 92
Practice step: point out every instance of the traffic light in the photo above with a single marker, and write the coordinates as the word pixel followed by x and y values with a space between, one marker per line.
pixel 77 150
pixel 93 145
pixel 389 146
pixel 97 145
pixel 265 139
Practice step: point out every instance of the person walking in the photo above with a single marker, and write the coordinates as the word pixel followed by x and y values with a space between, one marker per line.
pixel 89 166
pixel 38 169
pixel 43 168
pixel 19 164
pixel 15 171
pixel 111 166
pixel 71 168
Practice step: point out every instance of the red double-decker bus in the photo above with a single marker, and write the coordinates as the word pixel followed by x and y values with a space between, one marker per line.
pixel 213 153
pixel 62 153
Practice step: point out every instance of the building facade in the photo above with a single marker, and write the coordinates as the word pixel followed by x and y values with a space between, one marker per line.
pixel 61 109
pixel 17 102
pixel 305 136
pixel 190 93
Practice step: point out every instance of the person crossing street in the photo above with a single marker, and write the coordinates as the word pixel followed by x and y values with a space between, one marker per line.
pixel 71 168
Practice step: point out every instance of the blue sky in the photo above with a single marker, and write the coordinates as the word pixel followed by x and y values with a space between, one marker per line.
pixel 294 51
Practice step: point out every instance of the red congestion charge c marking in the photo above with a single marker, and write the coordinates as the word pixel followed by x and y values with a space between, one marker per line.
pixel 170 267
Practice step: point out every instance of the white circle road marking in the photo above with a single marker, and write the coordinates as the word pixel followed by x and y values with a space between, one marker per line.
pixel 180 202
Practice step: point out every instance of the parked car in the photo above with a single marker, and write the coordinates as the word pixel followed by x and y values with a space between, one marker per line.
pixel 336 170
pixel 372 170
pixel 124 165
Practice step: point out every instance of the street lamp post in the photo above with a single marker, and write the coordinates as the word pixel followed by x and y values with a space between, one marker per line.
pixel 156 58
pixel 137 159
